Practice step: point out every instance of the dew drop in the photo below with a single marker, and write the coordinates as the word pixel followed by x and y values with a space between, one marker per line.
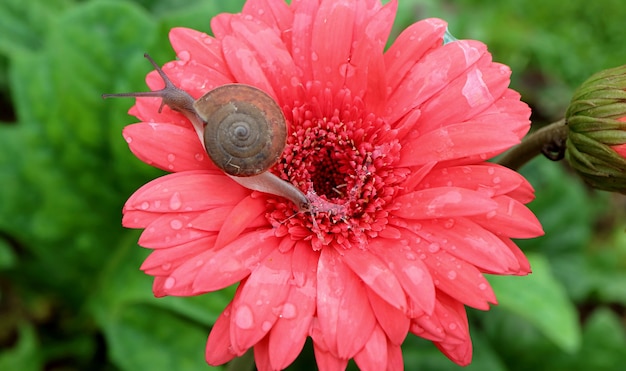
pixel 175 201
pixel 266 326
pixel 314 57
pixel 448 224
pixel 452 326
pixel 184 56
pixel 200 262
pixel 129 139
pixel 410 256
pixel 433 247
pixel 176 224
pixel 482 286
pixel 166 266
pixel 261 11
pixel 491 214
pixel 452 275
pixel 199 157
pixel 244 318
pixel 289 311
pixel 169 282
pixel 491 170
pixel 171 157
pixel 496 180
pixel 145 205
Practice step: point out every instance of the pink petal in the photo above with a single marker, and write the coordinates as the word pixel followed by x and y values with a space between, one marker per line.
pixel 332 41
pixel 138 218
pixel 201 48
pixel 414 41
pixel 491 179
pixel 395 362
pixel 267 285
pixel 456 141
pixel 394 322
pixel 180 280
pixel 620 149
pixel 218 349
pixel 521 258
pixel 270 58
pixel 274 13
pixel 457 345
pixel 262 355
pixel 373 356
pixel 413 275
pixel 376 275
pixel 326 361
pixel 365 72
pixel 302 36
pixel 442 202
pixel 466 96
pixel 234 261
pixel 240 218
pixel 212 220
pixel 345 316
pixel 448 323
pixel 244 65
pixel 471 242
pixel 511 219
pixel 170 230
pixel 290 331
pixel 161 262
pixel 432 74
pixel 457 278
pixel 186 191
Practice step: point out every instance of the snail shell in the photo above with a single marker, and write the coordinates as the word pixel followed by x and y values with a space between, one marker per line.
pixel 245 132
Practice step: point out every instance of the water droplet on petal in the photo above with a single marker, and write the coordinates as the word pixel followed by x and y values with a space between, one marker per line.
pixel 169 282
pixel 289 311
pixel 244 318
pixel 199 157
pixel 452 326
pixel 184 56
pixel 175 201
pixel 166 266
pixel 266 326
pixel 433 247
pixel 145 205
pixel 410 256
pixel 491 170
pixel 491 214
pixel 176 224
pixel 482 286
pixel 448 224
pixel 452 275
pixel 129 139
pixel 314 57
pixel 496 180
pixel 171 157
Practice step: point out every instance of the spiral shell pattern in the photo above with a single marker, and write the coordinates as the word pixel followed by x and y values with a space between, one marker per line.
pixel 245 131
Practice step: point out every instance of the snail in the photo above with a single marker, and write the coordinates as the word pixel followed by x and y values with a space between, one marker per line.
pixel 242 129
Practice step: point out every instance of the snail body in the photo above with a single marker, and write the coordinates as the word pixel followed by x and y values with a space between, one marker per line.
pixel 242 129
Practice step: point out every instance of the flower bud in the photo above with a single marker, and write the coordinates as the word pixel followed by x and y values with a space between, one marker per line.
pixel 596 142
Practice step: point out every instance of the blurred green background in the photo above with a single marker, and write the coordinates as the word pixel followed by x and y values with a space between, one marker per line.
pixel 71 294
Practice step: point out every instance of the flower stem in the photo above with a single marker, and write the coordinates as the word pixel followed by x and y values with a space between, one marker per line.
pixel 549 140
pixel 243 363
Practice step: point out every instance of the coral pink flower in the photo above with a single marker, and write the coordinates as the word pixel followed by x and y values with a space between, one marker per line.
pixel 398 138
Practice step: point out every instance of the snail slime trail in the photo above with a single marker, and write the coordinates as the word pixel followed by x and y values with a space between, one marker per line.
pixel 243 131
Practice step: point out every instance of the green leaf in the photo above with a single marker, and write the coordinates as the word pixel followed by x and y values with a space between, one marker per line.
pixel 24 356
pixel 23 24
pixel 542 300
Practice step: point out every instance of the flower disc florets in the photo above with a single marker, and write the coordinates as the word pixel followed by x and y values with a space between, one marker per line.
pixel 335 160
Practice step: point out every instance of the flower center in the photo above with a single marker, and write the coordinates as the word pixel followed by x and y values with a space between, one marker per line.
pixel 339 159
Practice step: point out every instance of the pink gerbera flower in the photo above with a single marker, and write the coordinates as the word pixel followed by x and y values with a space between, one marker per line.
pixel 396 139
